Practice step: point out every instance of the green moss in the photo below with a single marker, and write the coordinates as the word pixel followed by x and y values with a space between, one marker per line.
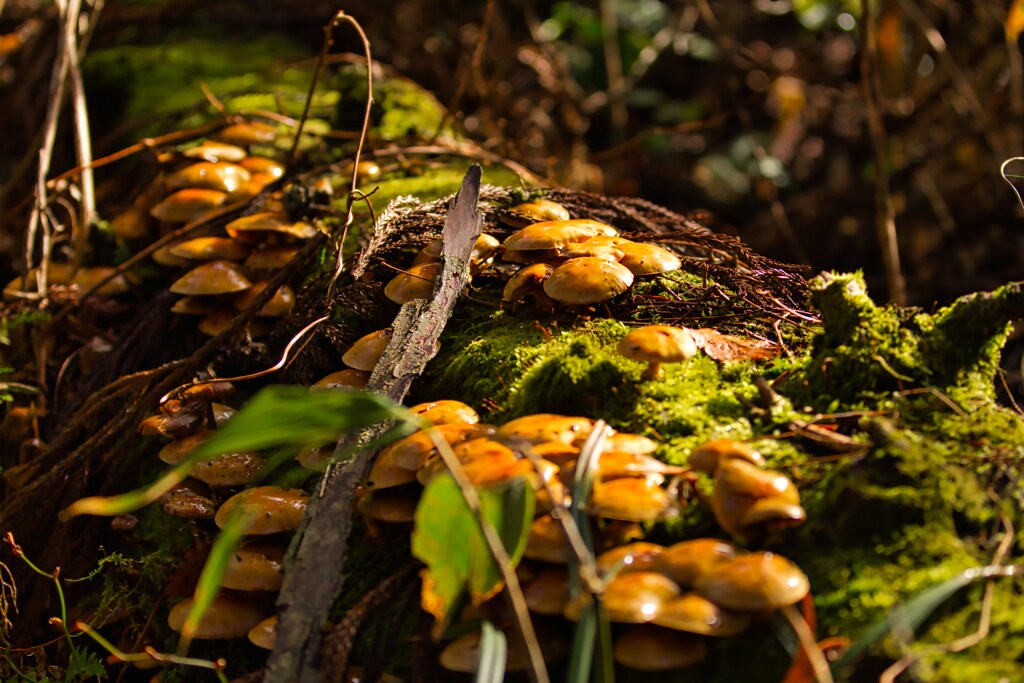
pixel 400 107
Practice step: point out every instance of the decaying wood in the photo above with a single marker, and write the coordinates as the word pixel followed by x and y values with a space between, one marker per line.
pixel 313 576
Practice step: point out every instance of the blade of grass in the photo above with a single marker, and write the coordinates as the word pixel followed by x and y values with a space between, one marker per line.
pixel 493 654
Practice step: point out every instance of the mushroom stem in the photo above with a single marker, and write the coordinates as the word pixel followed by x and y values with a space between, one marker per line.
pixel 652 372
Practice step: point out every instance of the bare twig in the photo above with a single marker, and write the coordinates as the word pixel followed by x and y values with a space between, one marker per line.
pixel 885 213
pixel 83 142
pixel 819 664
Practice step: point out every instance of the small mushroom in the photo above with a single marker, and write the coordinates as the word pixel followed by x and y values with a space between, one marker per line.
pixel 258 164
pixel 632 557
pixel 185 206
pixel 131 224
pixel 446 412
pixel 657 344
pixel 212 150
pixel 547 541
pixel 631 598
pixel 247 133
pixel 393 505
pixel 364 354
pixel 543 427
pixel 220 175
pixel 653 648
pixel 342 379
pixel 685 562
pixel 253 226
pixel 280 304
pixel 551 235
pixel 647 259
pixel 548 592
pixel 754 582
pixel 214 277
pixel 529 280
pixel 622 442
pixel 185 502
pixel 210 248
pixel 540 210
pixel 228 616
pixel 695 614
pixel 256 565
pixel 587 280
pixel 264 634
pixel 706 457
pixel 629 500
pixel 271 509
pixel 415 283
pixel 386 474
pixel 739 485
pixel 413 451
pixel 270 257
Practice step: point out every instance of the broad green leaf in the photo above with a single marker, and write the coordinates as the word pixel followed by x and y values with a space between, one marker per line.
pixel 447 538
pixel 278 416
pixel 493 654
pixel 213 573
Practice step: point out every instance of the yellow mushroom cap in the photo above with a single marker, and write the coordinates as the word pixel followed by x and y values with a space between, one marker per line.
pixel 541 210
pixel 547 541
pixel 228 616
pixel 342 379
pixel 212 150
pixel 394 505
pixel 257 164
pixel 548 235
pixel 685 562
pixel 131 224
pixel 248 133
pixel 270 257
pixel 413 451
pixel 272 509
pixel 631 598
pixel 623 442
pixel 280 304
pixel 653 648
pixel 706 457
pixel 214 277
pixel 386 474
pixel 264 634
pixel 647 259
pixel 629 500
pixel 269 221
pixel 207 248
pixel 632 557
pixel 739 485
pixel 587 280
pixel 695 614
pixel 86 278
pixel 256 565
pixel 446 412
pixel 183 501
pixel 754 582
pixel 525 280
pixel 219 175
pixel 544 427
pixel 364 354
pixel 658 344
pixel 548 592
pixel 185 206
pixel 415 283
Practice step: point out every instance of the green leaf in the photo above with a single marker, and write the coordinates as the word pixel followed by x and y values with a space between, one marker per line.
pixel 443 517
pixel 276 417
pixel 493 653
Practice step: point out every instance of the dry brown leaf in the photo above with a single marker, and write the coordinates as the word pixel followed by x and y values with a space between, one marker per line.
pixel 729 347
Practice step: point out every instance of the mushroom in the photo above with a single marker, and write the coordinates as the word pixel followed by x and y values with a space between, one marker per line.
pixel 539 210
pixel 547 541
pixel 754 582
pixel 551 235
pixel 280 304
pixel 653 648
pixel 131 224
pixel 258 164
pixel 342 379
pixel 587 280
pixel 543 427
pixel 228 616
pixel 210 175
pixel 632 557
pixel 271 509
pixel 548 592
pixel 394 505
pixel 647 259
pixel 629 500
pixel 212 150
pixel 687 561
pixel 364 354
pixel 209 248
pixel 264 634
pixel 185 206
pixel 706 457
pixel 748 498
pixel 184 501
pixel 657 344
pixel 386 474
pixel 622 442
pixel 256 565
pixel 413 451
pixel 415 283
pixel 247 133
pixel 695 614
pixel 270 257
pixel 529 280
pixel 214 277
pixel 446 412
pixel 630 598
pixel 250 227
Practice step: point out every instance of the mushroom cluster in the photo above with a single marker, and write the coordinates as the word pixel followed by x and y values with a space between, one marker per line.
pixel 574 261
pixel 254 571
pixel 749 501
pixel 667 598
